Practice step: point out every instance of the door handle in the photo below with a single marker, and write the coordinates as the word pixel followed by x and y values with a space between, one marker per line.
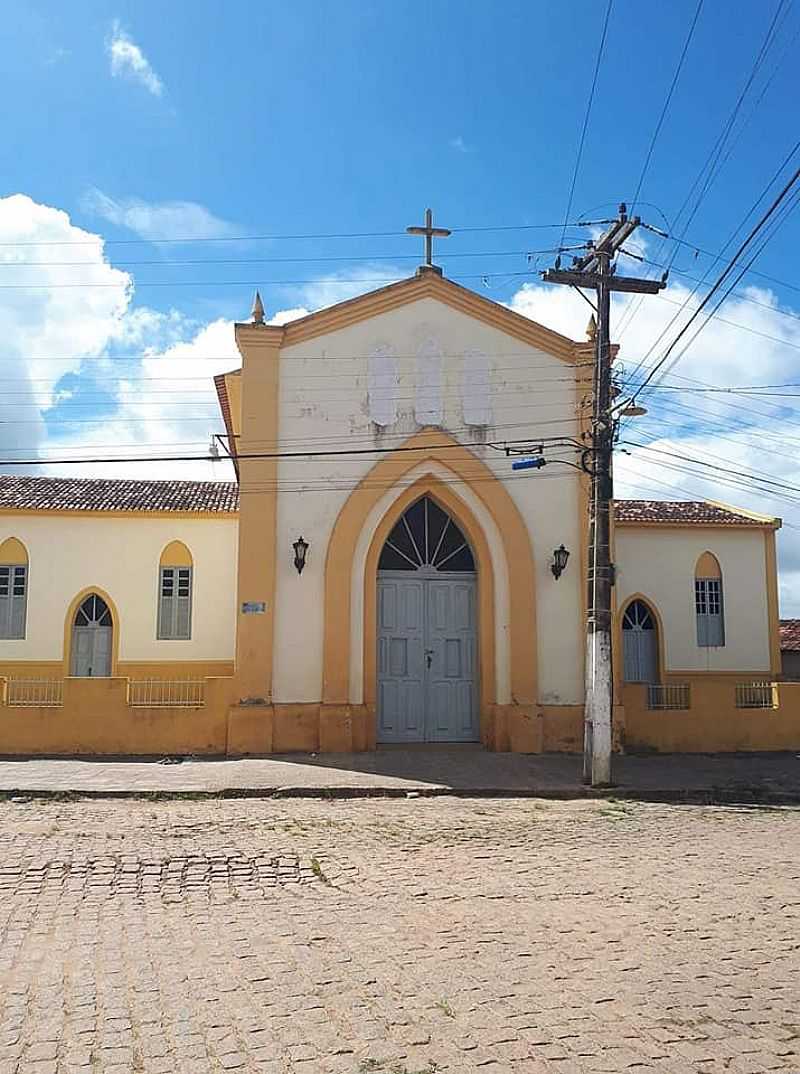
pixel 429 656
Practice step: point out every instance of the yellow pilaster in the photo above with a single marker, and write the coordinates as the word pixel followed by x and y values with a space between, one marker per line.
pixel 771 568
pixel 259 345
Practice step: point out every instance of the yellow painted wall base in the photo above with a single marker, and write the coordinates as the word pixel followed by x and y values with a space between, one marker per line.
pixel 96 719
pixel 713 724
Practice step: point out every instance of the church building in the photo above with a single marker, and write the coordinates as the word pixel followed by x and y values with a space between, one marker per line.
pixel 380 574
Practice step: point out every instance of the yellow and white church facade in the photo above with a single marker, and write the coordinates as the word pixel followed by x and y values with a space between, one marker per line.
pixel 378 573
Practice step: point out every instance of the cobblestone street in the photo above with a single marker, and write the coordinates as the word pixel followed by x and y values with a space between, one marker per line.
pixel 398 937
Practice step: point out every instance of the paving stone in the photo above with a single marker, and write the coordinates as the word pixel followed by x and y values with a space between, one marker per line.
pixel 195 936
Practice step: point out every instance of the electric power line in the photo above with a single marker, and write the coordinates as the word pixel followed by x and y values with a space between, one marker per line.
pixel 763 220
pixel 586 116
pixel 666 105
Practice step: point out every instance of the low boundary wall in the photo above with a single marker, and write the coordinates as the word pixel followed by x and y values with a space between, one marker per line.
pixel 96 717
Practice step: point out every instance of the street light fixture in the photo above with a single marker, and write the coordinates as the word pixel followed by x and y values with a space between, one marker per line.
pixel 300 549
pixel 559 564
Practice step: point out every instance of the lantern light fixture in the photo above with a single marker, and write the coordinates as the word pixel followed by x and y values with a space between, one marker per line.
pixel 559 564
pixel 300 549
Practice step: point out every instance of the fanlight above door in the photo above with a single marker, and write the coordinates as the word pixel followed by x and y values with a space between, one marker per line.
pixel 426 538
pixel 93 612
pixel 637 617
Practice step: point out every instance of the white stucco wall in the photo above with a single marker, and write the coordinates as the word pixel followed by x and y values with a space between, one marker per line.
pixel 660 564
pixel 67 554
pixel 323 404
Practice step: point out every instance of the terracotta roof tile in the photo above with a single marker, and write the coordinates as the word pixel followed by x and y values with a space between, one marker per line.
pixel 790 635
pixel 116 494
pixel 698 512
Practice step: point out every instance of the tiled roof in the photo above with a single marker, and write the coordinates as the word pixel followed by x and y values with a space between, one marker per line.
pixel 697 512
pixel 115 494
pixel 790 635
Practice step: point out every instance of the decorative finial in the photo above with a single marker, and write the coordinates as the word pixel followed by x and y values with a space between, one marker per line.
pixel 258 310
pixel 591 329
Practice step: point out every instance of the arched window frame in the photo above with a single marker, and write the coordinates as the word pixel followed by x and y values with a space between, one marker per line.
pixel 427 537
pixel 14 578
pixel 175 593
pixel 709 607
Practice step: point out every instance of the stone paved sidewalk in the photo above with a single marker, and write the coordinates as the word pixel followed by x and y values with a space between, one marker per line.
pixel 429 770
pixel 430 936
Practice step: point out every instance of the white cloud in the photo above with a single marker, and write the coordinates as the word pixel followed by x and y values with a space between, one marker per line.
pixel 285 316
pixel 750 342
pixel 339 286
pixel 157 220
pixel 459 145
pixel 128 61
pixel 164 402
pixel 48 330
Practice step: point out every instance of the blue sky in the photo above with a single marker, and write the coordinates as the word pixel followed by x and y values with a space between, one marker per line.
pixel 314 117
pixel 142 121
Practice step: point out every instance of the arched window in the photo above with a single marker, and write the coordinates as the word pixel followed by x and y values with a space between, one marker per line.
pixel 709 611
pixel 175 577
pixel 639 643
pixel 426 537
pixel 13 588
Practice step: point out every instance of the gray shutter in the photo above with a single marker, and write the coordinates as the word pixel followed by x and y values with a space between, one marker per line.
pixel 13 599
pixel 5 602
pixel 701 611
pixel 708 605
pixel 716 622
pixel 183 604
pixel 166 603
pixel 18 601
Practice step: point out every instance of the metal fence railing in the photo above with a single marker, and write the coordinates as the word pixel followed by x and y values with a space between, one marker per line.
pixel 756 695
pixel 35 693
pixel 674 695
pixel 166 693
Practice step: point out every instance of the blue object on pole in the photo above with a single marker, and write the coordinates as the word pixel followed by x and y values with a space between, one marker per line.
pixel 528 464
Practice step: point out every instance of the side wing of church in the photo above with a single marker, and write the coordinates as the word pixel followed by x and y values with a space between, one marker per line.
pixel 381 574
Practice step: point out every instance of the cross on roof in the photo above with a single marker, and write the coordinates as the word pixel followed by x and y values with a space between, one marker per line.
pixel 429 231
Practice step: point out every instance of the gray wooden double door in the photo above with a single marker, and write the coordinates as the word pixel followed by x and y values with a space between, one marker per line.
pixel 427 678
pixel 639 644
pixel 92 635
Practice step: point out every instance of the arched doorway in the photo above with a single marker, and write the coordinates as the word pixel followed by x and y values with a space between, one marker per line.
pixel 92 633
pixel 639 643
pixel 427 630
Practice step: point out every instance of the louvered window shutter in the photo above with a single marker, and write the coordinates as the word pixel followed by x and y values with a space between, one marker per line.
pixel 13 598
pixel 183 603
pixel 166 602
pixel 175 603
pixel 708 608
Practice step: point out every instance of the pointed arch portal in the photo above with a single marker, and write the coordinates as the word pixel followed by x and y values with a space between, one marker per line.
pixel 513 548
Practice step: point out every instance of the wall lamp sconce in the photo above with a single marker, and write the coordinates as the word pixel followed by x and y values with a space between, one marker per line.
pixel 300 549
pixel 559 564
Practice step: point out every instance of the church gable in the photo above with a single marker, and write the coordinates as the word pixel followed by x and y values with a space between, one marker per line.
pixel 428 283
pixel 422 360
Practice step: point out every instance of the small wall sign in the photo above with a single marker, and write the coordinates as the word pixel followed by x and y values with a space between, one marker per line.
pixel 254 607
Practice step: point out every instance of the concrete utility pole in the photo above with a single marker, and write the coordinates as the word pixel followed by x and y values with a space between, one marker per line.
pixel 596 270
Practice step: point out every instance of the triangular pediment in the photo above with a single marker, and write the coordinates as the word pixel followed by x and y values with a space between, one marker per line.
pixel 427 283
